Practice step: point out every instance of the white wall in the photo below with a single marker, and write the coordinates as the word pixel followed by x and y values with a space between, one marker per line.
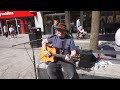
pixel 39 21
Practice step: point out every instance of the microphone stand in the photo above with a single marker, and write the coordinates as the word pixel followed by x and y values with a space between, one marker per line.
pixel 34 60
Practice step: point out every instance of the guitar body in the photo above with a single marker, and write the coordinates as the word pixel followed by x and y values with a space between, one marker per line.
pixel 44 58
pixel 53 51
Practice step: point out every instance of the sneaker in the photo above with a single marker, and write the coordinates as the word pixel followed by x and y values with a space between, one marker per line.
pixel 6 38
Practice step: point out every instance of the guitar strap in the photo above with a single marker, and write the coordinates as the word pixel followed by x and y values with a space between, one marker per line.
pixel 63 46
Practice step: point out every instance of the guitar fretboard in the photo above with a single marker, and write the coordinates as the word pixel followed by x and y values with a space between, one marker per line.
pixel 58 55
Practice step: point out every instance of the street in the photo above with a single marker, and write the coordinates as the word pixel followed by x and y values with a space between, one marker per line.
pixel 15 62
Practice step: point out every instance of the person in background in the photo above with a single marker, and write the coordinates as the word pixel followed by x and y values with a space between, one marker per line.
pixel 72 28
pixel 29 27
pixel 81 34
pixel 78 23
pixel 12 31
pixel 6 31
pixel 55 23
pixel 15 31
pixel 102 26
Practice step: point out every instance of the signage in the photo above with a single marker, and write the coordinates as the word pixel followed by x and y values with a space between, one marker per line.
pixel 15 14
pixel 6 13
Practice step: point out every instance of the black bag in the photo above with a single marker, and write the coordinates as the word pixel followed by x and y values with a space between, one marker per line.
pixel 87 59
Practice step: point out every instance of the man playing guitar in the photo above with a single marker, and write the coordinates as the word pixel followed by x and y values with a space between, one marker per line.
pixel 64 45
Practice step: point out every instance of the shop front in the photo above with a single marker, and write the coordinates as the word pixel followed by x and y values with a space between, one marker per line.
pixel 49 16
pixel 65 17
pixel 19 19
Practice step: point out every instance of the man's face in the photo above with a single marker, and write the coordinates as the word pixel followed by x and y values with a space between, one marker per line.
pixel 55 22
pixel 60 32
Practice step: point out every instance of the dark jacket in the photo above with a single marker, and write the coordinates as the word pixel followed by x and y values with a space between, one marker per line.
pixel 52 29
pixel 73 29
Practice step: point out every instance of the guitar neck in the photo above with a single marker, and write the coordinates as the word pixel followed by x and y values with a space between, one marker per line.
pixel 58 55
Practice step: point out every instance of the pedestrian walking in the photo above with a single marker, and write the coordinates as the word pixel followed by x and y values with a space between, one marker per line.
pixel 12 31
pixel 6 31
pixel 78 23
pixel 72 28
pixel 102 26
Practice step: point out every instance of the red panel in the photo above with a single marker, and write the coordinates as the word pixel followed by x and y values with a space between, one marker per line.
pixel 14 14
pixel 22 25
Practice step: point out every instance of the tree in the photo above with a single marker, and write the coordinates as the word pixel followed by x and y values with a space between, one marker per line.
pixel 94 30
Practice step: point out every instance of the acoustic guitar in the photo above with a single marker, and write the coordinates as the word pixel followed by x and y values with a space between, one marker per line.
pixel 44 58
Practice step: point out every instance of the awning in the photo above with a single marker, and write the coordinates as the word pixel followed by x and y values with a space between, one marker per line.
pixel 15 14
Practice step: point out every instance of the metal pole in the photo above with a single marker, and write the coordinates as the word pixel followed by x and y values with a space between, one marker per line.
pixel 17 25
pixel 34 61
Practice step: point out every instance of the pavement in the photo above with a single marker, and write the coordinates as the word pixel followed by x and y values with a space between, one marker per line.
pixel 17 62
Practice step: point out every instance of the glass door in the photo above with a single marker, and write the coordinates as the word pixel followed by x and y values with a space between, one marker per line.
pixel 16 23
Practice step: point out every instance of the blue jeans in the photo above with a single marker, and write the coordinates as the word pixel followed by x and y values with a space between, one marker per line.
pixel 54 70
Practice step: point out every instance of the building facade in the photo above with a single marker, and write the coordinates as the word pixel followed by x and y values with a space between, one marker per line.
pixel 44 19
pixel 112 19
pixel 19 19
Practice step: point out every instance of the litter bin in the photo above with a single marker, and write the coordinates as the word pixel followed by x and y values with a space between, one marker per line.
pixel 35 37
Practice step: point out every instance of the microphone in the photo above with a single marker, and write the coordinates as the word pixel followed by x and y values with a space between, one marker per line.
pixel 27 42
